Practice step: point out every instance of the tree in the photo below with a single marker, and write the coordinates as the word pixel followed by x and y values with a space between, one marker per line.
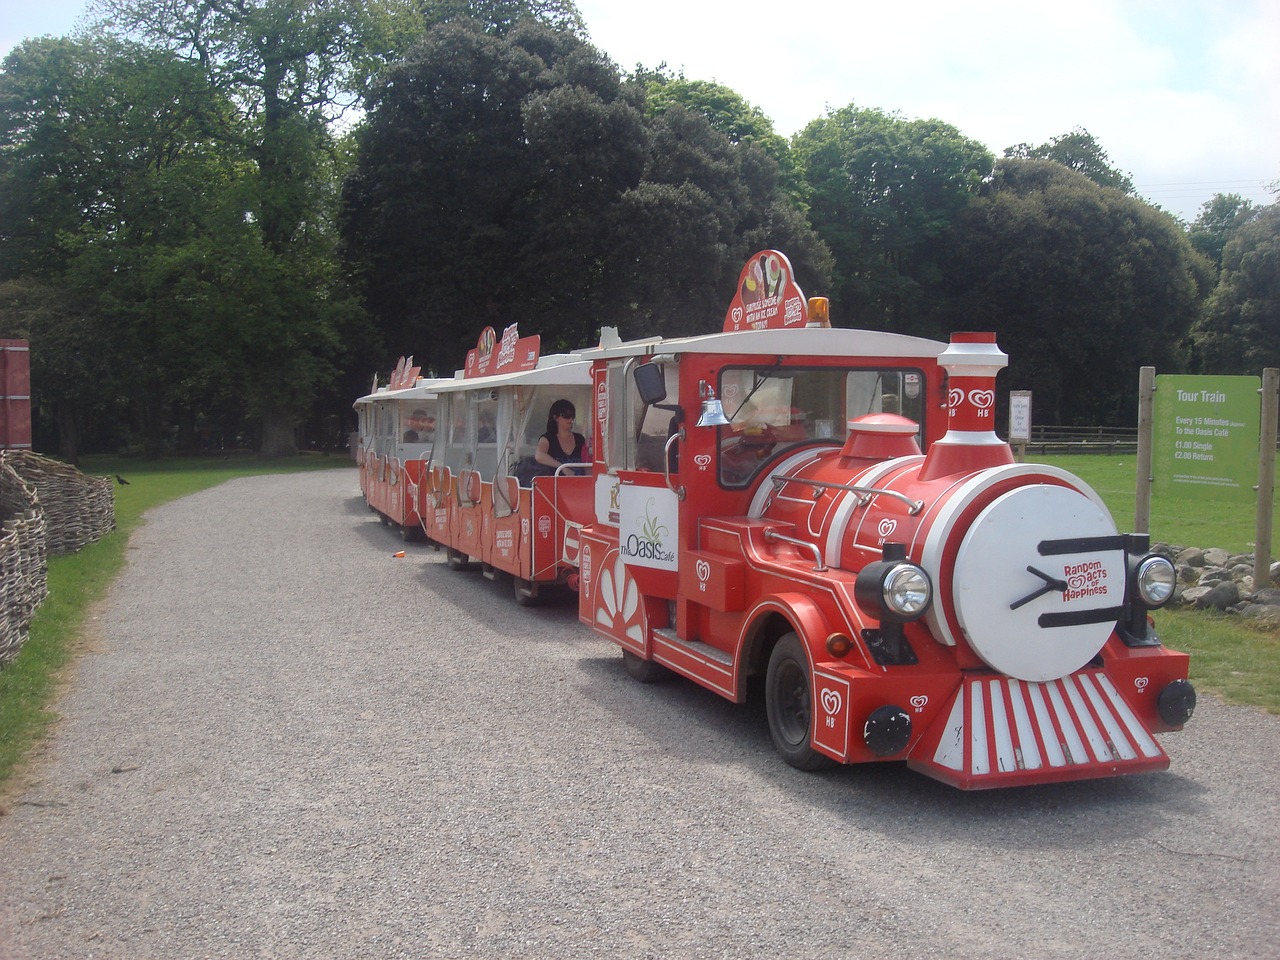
pixel 290 67
pixel 499 16
pixel 1217 223
pixel 726 110
pixel 76 381
pixel 1080 151
pixel 1240 331
pixel 1082 285
pixel 107 172
pixel 883 192
pixel 514 177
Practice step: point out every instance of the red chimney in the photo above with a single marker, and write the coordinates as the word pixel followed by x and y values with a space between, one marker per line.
pixel 972 362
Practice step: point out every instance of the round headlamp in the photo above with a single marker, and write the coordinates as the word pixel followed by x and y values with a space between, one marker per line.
pixel 894 590
pixel 906 590
pixel 1155 579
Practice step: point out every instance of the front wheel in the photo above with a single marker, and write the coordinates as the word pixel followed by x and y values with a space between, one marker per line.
pixel 789 703
pixel 645 671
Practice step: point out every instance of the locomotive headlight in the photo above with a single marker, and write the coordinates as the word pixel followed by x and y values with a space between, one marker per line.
pixel 894 590
pixel 907 591
pixel 1155 581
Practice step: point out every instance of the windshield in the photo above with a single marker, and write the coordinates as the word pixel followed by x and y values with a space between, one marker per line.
pixel 773 408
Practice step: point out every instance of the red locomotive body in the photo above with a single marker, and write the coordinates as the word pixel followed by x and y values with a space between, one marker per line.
pixel 978 618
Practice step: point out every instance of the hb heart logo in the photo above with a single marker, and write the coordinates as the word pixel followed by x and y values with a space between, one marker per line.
pixel 1141 683
pixel 982 399
pixel 703 569
pixel 831 702
pixel 887 526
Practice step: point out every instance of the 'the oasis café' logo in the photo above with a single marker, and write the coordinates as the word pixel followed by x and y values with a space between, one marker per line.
pixel 647 543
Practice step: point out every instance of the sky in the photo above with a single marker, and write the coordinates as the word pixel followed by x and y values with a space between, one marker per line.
pixel 1183 95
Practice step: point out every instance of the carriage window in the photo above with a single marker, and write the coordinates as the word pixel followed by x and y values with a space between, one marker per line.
pixel 774 408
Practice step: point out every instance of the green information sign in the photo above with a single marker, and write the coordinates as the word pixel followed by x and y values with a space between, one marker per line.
pixel 1206 435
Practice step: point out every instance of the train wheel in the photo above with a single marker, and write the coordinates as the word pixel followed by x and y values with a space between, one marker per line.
pixel 456 559
pixel 646 671
pixel 526 592
pixel 789 702
pixel 410 533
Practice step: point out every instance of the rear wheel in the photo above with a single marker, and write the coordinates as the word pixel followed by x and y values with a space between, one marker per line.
pixel 526 592
pixel 789 703
pixel 456 560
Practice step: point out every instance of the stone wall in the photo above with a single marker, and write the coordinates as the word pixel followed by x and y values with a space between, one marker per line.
pixel 1210 578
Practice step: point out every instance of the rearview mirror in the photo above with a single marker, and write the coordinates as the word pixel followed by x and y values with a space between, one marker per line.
pixel 651 383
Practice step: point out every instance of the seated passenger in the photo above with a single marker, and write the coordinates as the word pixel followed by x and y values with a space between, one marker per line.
pixel 560 444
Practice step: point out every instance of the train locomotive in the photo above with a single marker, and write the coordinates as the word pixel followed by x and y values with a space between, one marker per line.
pixel 828 516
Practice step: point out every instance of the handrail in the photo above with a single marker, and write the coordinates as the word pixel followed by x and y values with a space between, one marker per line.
pixel 865 492
pixel 666 462
pixel 819 565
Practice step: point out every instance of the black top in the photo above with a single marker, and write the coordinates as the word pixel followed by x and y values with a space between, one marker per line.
pixel 557 452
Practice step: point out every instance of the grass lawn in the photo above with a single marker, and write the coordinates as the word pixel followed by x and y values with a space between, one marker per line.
pixel 29 682
pixel 1208 521
pixel 1237 660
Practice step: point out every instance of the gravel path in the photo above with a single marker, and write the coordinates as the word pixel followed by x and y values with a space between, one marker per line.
pixel 287 743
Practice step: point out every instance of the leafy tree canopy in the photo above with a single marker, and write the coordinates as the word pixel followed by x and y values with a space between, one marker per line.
pixel 883 191
pixel 1218 221
pixel 1082 284
pixel 499 16
pixel 1080 151
pixel 1240 331
pixel 516 178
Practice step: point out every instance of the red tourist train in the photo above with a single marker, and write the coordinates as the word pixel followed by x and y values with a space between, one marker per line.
pixel 829 510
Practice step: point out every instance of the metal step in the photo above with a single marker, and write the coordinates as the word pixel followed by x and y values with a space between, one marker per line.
pixel 695 648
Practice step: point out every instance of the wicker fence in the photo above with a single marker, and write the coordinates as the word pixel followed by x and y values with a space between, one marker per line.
pixel 46 508
pixel 78 508
pixel 23 570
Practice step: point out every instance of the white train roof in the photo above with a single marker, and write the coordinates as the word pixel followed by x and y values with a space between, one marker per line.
pixel 802 341
pixel 424 389
pixel 559 368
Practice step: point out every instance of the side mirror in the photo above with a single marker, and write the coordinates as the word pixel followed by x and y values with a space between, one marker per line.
pixel 651 383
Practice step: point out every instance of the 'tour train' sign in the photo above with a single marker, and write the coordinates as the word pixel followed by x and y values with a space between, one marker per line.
pixel 1206 435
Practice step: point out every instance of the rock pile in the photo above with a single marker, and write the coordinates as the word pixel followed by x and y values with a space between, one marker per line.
pixel 1215 579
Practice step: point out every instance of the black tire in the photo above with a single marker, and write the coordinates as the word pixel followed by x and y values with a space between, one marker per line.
pixel 410 533
pixel 526 592
pixel 645 671
pixel 456 559
pixel 788 697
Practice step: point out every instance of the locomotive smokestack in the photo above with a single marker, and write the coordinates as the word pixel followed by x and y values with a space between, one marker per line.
pixel 972 361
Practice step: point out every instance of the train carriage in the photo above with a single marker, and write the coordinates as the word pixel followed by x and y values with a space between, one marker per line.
pixel 826 516
pixel 483 501
pixel 397 427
